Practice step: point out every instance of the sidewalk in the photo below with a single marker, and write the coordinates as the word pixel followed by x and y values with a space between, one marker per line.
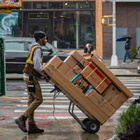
pixel 107 63
pixel 122 69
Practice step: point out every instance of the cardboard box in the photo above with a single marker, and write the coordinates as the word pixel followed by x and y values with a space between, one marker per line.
pixel 82 84
pixel 76 55
pixel 77 69
pixel 109 107
pixel 114 96
pixel 84 62
pixel 119 100
pixel 76 78
pixel 55 61
pixel 63 68
pixel 110 75
pixel 71 61
pixel 88 57
pixel 70 74
pixel 96 107
pixel 80 65
pixel 95 77
pixel 101 102
pixel 76 94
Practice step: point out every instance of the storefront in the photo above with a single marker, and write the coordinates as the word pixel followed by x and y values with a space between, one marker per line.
pixel 69 25
pixel 127 23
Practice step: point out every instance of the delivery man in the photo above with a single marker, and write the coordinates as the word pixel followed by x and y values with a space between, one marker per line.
pixel 31 73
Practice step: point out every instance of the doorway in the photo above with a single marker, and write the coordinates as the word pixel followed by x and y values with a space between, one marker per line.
pixel 39 21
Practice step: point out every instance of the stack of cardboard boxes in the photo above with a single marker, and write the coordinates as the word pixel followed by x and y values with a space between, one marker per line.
pixel 89 83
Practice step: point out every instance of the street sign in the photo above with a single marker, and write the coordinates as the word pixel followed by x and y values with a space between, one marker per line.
pixel 2 68
pixel 106 20
pixel 6 6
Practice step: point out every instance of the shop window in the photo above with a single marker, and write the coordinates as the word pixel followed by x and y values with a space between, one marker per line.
pixel 87 28
pixel 39 5
pixel 64 31
pixel 55 5
pixel 87 5
pixel 70 26
pixel 26 5
pixel 40 15
pixel 70 5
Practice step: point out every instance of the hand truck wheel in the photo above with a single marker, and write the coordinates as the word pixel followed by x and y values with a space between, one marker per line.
pixel 84 122
pixel 92 126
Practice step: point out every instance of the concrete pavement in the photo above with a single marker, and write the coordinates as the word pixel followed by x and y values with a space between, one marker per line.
pixel 127 69
pixel 56 130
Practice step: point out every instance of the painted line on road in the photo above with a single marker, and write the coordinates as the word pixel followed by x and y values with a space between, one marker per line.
pixel 16 98
pixel 52 118
pixel 46 98
pixel 46 106
pixel 49 111
pixel 45 101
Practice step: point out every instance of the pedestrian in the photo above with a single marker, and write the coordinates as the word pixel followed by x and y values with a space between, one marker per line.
pixel 31 73
pixel 127 47
pixel 88 48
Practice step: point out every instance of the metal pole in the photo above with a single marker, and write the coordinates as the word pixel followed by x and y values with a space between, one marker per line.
pixel 2 68
pixel 114 58
pixel 77 27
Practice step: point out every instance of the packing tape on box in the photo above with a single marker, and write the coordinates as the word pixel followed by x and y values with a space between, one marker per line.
pixel 91 87
pixel 101 82
pixel 98 73
pixel 91 73
pixel 75 77
pixel 104 79
pixel 80 65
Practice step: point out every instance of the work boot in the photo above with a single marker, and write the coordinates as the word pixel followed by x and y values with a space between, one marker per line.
pixel 21 122
pixel 34 129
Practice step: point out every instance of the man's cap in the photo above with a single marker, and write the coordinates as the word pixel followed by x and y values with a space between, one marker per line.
pixel 39 34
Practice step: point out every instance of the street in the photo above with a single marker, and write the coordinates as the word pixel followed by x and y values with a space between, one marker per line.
pixel 52 115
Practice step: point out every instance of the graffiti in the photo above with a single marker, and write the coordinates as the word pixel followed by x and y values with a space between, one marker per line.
pixel 7 23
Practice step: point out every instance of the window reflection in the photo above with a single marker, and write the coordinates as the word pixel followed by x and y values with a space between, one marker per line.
pixel 87 5
pixel 14 46
pixel 39 5
pixel 26 5
pixel 87 28
pixel 70 5
pixel 65 29
pixel 55 5
pixel 69 29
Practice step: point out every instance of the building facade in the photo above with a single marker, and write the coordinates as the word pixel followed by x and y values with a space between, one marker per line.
pixel 71 24
pixel 127 23
pixel 68 24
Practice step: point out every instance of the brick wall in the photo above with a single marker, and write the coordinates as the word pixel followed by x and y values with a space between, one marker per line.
pixel 107 32
pixel 99 35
